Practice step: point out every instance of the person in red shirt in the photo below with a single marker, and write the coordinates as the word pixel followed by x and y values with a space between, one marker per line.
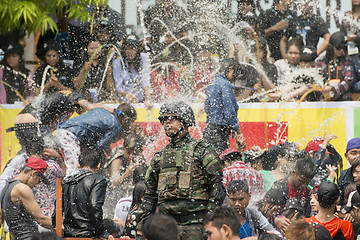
pixel 328 195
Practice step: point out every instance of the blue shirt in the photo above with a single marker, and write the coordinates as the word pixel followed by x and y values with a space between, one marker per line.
pixel 98 126
pixel 132 81
pixel 220 105
pixel 245 230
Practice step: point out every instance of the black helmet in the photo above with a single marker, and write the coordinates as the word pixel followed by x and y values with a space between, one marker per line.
pixel 180 110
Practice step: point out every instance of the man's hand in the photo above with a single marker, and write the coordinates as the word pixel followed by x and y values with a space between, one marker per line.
pixel 282 25
pixel 51 153
pixel 355 213
pixel 348 217
pixel 240 141
pixel 282 223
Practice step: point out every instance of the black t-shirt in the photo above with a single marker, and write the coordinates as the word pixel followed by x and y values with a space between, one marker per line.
pixel 311 29
pixel 18 81
pixel 268 19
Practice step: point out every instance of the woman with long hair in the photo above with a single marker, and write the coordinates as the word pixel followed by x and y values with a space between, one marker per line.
pixel 132 72
pixel 57 75
pixel 15 74
pixel 337 69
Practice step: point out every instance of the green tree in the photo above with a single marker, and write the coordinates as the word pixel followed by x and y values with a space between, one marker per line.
pixel 37 15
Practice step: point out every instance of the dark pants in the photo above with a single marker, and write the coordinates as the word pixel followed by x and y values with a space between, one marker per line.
pixel 217 136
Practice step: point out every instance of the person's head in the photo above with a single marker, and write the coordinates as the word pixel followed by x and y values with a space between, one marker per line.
pixel 306 7
pixel 165 3
pixel 32 144
pixel 307 57
pixel 176 118
pixel 349 189
pixel 293 49
pixel 160 227
pixel 293 210
pixel 138 194
pixel 262 48
pixel 255 156
pixel 90 158
pixel 337 46
pixel 93 49
pixel 239 195
pixel 328 195
pixel 300 230
pixel 270 159
pixel 14 55
pixel 34 170
pixel 313 147
pixel 131 48
pixel 354 4
pixel 352 204
pixel 314 203
pixel 231 69
pixel 272 203
pixel 139 173
pixel 303 173
pixel 287 157
pixel 126 114
pixel 245 6
pixel 221 224
pixel 282 5
pixel 355 170
pixel 111 227
pixel 229 156
pixel 352 150
pixel 51 53
pixel 133 146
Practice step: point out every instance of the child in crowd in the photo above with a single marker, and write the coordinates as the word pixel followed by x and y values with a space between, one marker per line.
pixel 252 222
pixel 328 196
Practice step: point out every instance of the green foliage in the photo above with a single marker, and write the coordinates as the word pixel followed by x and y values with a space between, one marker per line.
pixel 38 15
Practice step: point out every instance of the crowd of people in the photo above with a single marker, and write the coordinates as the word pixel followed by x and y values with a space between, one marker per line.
pixel 192 188
pixel 278 49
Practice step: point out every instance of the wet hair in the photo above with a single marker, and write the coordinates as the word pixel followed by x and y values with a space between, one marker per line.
pixel 33 144
pixel 224 215
pixel 138 194
pixel 297 42
pixel 226 64
pixel 237 186
pixel 349 189
pixel 90 157
pixel 111 227
pixel 288 151
pixel 270 158
pixel 139 173
pixel 300 230
pixel 269 236
pixel 45 236
pixel 160 227
pixel 128 110
pixel 133 142
pixel 355 164
pixel 305 166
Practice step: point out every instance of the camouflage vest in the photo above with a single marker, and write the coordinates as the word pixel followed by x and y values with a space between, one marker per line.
pixel 180 176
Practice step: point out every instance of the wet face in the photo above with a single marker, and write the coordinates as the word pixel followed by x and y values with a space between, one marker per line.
pixel 130 52
pixel 52 57
pixel 204 57
pixel 285 4
pixel 339 50
pixel 35 179
pixel 299 182
pixel 314 203
pixel 91 49
pixel 293 55
pixel 356 174
pixel 356 2
pixel 304 64
pixel 352 154
pixel 213 233
pixel 130 154
pixel 13 60
pixel 269 209
pixel 171 125
pixel 239 201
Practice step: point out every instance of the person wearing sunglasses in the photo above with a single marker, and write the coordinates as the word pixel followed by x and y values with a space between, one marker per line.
pixel 184 180
pixel 337 69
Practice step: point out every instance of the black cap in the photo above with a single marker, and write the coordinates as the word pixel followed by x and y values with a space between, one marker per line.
pixel 275 196
pixel 338 38
pixel 295 204
pixel 321 233
pixel 328 192
pixel 354 201
pixel 308 54
pixel 16 48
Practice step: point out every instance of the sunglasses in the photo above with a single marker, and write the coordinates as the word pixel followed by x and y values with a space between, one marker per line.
pixel 167 118
pixel 339 47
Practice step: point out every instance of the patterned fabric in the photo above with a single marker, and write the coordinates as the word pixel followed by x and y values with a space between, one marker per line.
pixel 71 149
pixel 240 171
pixel 345 73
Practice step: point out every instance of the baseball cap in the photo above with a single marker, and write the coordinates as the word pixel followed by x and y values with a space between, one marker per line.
pixel 321 233
pixel 232 151
pixel 314 146
pixel 338 38
pixel 37 164
pixel 295 204
pixel 354 201
pixel 328 192
pixel 352 144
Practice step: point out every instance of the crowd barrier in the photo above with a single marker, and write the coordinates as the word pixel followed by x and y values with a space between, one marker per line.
pixel 263 124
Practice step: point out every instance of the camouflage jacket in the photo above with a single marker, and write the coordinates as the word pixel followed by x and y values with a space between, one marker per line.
pixel 183 178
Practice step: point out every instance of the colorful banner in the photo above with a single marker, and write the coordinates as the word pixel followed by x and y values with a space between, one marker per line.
pixel 263 125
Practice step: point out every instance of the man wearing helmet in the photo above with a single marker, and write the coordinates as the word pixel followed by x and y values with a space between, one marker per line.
pixel 184 179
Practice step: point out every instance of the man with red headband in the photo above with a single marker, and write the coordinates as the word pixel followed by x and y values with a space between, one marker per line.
pixel 18 206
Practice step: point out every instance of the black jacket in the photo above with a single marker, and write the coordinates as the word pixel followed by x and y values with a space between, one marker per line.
pixel 83 199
